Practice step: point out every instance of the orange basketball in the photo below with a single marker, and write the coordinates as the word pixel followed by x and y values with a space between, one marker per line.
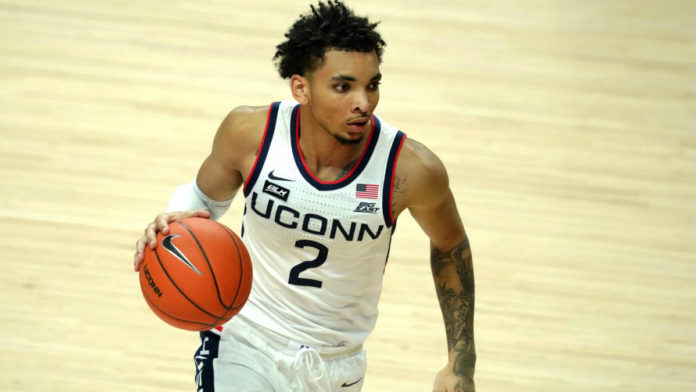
pixel 198 276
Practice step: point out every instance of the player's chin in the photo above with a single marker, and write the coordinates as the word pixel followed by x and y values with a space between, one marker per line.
pixel 349 139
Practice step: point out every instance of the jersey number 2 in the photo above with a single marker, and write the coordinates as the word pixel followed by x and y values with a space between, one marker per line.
pixel 319 260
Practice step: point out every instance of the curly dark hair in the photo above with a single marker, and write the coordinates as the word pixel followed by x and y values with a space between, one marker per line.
pixel 328 26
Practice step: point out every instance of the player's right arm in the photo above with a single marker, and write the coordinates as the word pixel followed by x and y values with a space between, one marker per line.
pixel 219 177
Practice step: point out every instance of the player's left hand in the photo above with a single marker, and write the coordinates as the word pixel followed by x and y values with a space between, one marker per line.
pixel 448 381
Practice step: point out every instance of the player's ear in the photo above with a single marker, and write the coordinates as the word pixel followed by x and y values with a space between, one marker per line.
pixel 299 86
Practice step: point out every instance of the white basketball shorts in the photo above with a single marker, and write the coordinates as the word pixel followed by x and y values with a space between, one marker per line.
pixel 249 358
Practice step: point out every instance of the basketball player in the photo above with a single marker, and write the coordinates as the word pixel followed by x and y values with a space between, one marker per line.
pixel 324 181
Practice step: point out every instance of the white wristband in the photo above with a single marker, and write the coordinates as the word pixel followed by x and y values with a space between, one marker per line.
pixel 190 197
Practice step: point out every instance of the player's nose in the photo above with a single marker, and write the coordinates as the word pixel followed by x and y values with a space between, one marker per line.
pixel 361 103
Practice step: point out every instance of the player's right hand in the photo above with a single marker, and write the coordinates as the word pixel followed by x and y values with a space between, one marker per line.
pixel 161 223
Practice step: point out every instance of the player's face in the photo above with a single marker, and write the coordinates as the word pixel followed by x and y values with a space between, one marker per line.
pixel 344 93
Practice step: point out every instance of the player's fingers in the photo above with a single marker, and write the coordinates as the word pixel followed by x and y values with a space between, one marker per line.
pixel 165 228
pixel 140 245
pixel 138 257
pixel 137 260
pixel 150 237
pixel 198 213
pixel 202 213
pixel 162 221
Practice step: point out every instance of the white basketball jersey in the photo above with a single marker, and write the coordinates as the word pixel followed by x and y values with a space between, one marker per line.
pixel 318 248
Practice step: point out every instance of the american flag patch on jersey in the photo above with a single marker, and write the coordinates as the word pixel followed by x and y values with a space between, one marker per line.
pixel 366 191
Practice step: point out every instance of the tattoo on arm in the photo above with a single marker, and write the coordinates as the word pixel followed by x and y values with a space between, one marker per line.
pixel 454 282
pixel 398 190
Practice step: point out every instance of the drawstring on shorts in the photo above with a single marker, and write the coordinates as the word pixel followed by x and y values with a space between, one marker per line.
pixel 307 368
pixel 303 365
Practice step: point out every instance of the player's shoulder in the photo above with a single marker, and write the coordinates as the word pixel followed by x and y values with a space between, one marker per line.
pixel 239 135
pixel 421 175
pixel 244 119
pixel 243 127
pixel 415 156
pixel 418 160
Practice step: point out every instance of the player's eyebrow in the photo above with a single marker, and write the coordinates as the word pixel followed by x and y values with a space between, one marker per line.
pixel 348 78
pixel 343 78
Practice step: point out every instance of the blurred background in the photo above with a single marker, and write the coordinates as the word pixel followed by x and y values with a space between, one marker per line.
pixel 569 133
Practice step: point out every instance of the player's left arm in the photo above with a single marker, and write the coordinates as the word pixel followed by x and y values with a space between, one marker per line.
pixel 422 186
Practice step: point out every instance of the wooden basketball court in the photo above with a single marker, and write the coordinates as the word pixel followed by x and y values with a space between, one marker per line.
pixel 568 129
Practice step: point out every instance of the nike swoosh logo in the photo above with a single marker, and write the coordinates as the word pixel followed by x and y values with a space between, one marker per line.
pixel 169 246
pixel 274 177
pixel 346 385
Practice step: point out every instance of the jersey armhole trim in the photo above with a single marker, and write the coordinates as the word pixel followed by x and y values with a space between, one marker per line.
pixel 264 146
pixel 389 177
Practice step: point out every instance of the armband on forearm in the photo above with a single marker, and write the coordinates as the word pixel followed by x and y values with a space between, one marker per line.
pixel 190 197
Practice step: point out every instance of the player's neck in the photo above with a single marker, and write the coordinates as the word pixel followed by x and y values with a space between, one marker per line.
pixel 325 156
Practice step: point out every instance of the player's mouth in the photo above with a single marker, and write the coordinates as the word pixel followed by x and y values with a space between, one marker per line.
pixel 358 125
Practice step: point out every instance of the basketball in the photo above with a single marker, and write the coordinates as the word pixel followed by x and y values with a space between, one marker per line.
pixel 198 276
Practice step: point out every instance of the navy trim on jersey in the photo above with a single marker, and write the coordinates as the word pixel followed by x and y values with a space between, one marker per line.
pixel 263 148
pixel 389 178
pixel 329 186
pixel 203 360
pixel 243 214
pixel 391 236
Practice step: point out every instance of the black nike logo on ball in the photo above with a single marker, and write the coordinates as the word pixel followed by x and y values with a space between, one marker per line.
pixel 346 385
pixel 274 177
pixel 169 246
